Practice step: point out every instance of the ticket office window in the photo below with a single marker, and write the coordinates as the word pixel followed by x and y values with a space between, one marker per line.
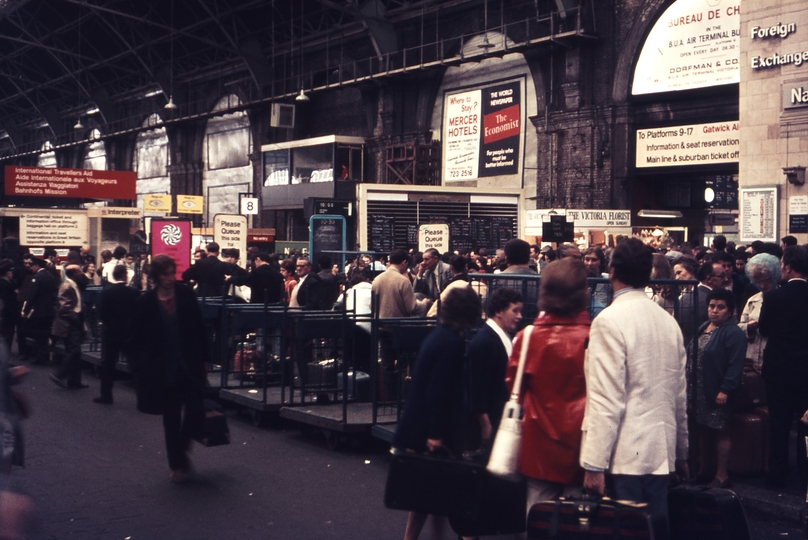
pixel 349 164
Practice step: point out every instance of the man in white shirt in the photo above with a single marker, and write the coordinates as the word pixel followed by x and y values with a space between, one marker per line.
pixel 635 425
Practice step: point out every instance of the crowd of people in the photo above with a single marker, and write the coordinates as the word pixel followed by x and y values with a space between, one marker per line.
pixel 625 380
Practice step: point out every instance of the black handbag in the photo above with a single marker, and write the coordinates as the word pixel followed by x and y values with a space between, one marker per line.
pixel 214 430
pixel 433 484
pixel 502 510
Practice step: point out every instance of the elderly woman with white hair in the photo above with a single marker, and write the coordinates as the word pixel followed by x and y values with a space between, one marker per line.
pixel 764 271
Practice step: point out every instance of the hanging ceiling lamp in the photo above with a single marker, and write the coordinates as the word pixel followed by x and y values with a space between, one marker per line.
pixel 78 125
pixel 171 106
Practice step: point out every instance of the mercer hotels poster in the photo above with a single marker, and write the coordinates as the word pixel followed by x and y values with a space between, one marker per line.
pixel 482 131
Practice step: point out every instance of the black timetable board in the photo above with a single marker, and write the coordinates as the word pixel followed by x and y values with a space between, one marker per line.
pixel 501 230
pixel 327 233
pixel 382 234
pixel 558 229
pixel 412 236
pixel 797 223
pixel 475 232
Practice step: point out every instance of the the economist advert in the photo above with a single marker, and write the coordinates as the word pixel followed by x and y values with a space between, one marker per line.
pixel 173 238
pixel 482 131
pixel 74 183
pixel 502 128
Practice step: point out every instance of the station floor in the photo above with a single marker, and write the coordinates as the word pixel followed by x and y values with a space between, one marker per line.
pixel 100 472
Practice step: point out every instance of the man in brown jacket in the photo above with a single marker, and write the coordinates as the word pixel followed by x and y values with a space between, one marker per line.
pixel 396 299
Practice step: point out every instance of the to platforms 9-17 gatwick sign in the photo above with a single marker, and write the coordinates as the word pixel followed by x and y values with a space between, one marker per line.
pixel 74 183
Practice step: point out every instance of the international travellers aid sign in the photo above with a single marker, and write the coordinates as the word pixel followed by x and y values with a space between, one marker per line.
pixel 69 183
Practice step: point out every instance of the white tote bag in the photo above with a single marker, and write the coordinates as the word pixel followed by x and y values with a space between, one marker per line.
pixel 504 458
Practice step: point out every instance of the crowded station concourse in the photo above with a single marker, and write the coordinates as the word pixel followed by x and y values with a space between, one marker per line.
pixel 163 326
pixel 347 218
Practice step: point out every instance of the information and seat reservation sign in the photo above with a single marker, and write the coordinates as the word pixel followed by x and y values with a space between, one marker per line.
pixel 53 228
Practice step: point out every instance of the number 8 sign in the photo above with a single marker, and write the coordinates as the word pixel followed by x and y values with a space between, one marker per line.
pixel 249 206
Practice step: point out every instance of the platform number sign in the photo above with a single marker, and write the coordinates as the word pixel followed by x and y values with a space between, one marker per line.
pixel 249 205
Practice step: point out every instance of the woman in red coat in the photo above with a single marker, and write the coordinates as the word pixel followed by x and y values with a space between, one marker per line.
pixel 553 385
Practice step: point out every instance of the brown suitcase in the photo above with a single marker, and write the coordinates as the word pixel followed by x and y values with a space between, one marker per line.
pixel 751 394
pixel 746 432
pixel 763 413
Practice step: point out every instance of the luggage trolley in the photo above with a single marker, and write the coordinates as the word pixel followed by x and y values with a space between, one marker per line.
pixel 255 370
pixel 328 393
pixel 405 335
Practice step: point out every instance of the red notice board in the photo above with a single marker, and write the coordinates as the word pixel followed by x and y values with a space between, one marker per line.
pixel 74 183
pixel 173 238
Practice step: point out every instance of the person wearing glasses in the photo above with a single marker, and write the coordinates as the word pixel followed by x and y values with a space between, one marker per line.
pixel 306 292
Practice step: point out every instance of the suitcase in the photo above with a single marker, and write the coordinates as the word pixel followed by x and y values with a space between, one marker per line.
pixel 430 484
pixel 752 392
pixel 746 432
pixel 358 387
pixel 502 508
pixel 214 431
pixel 763 413
pixel 585 519
pixel 702 513
pixel 323 374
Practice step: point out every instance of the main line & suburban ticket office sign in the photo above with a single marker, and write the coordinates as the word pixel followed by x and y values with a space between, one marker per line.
pixel 74 183
pixel 695 144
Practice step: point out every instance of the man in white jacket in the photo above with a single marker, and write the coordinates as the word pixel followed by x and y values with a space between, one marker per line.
pixel 635 425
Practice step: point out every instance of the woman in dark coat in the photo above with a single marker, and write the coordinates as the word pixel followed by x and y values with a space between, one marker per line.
pixel 714 377
pixel 169 353
pixel 434 414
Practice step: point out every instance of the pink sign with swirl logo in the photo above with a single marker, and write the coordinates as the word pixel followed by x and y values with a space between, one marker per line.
pixel 173 238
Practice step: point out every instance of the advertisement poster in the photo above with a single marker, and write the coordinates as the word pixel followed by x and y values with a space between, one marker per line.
pixel 758 220
pixel 461 135
pixel 157 203
pixel 74 183
pixel 190 204
pixel 230 231
pixel 695 144
pixel 53 229
pixel 172 238
pixel 502 128
pixel 482 131
pixel 694 44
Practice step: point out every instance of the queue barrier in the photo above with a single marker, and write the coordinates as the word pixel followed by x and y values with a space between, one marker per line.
pixel 274 345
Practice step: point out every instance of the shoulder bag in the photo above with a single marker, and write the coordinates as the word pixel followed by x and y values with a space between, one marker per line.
pixel 504 458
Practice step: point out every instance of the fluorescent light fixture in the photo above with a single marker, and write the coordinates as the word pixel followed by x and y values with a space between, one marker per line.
pixel 153 93
pixel 94 110
pixel 662 214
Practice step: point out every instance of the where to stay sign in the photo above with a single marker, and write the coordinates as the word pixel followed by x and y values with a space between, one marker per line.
pixel 482 130
pixel 75 183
